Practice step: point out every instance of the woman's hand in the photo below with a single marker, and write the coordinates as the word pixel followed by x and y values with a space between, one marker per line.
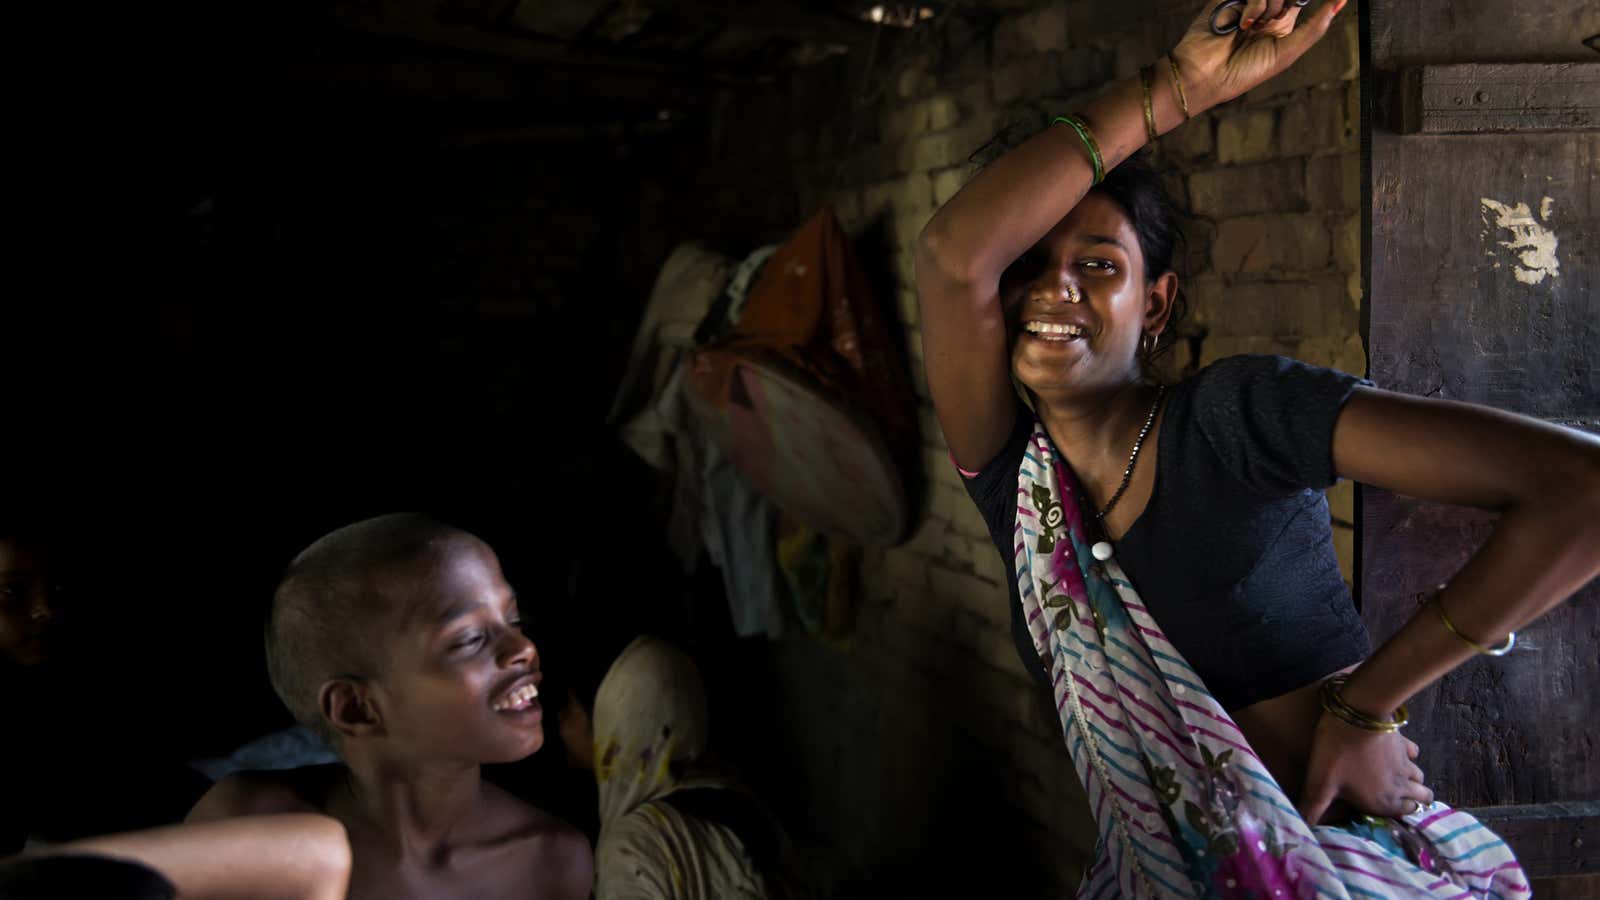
pixel 1374 773
pixel 1218 68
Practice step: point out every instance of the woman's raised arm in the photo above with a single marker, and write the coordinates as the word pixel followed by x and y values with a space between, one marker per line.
pixel 1018 198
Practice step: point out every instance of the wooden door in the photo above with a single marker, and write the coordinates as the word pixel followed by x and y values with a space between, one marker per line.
pixel 1483 285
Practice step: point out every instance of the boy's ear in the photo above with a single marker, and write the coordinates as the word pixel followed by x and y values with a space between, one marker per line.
pixel 348 708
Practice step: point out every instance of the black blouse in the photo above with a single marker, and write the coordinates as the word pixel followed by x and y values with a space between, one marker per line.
pixel 1234 554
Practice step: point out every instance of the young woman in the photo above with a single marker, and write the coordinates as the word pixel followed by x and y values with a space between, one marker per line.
pixel 1175 580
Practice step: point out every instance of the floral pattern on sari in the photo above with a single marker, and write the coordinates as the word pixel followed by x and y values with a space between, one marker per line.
pixel 1183 806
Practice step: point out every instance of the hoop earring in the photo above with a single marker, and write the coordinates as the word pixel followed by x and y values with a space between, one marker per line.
pixel 1147 343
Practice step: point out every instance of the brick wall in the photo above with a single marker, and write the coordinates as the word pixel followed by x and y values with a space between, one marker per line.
pixel 937 764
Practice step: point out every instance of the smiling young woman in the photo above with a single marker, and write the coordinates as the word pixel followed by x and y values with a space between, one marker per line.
pixel 1175 583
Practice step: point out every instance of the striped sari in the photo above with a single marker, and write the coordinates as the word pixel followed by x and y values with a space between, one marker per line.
pixel 1183 806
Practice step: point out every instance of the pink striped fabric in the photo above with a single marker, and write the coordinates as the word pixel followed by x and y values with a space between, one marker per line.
pixel 1183 806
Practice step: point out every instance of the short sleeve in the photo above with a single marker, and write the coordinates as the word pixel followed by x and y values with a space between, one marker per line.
pixel 1270 420
pixel 996 482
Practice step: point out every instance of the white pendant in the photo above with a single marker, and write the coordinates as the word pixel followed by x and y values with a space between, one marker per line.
pixel 1101 551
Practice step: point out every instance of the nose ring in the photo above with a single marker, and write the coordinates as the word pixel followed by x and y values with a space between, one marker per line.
pixel 1072 293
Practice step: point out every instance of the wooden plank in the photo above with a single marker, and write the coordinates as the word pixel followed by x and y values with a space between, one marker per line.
pixel 1455 312
pixel 1483 285
pixel 1408 33
pixel 1551 839
pixel 1497 97
pixel 1515 730
pixel 1576 887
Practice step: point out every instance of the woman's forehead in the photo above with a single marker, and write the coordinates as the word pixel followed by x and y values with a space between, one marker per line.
pixel 1096 216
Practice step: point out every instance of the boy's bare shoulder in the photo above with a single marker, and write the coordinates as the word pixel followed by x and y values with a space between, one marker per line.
pixel 556 854
pixel 266 792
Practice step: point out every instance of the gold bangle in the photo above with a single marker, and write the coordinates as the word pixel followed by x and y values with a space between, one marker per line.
pixel 1177 86
pixel 1145 74
pixel 1502 650
pixel 1334 703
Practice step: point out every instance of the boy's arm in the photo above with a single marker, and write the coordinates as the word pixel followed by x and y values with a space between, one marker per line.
pixel 299 856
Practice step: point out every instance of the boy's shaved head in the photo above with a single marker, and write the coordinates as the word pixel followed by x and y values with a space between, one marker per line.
pixel 329 612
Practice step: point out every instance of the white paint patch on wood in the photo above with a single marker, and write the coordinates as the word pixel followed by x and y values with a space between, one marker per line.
pixel 1533 244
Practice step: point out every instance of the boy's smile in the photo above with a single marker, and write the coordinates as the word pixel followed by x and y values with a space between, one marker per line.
pixel 521 698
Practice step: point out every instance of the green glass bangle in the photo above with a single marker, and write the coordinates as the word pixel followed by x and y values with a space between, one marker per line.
pixel 1087 136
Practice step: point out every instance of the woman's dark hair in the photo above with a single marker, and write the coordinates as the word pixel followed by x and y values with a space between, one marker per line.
pixel 1142 192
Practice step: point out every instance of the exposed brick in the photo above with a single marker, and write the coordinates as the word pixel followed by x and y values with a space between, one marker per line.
pixel 951 504
pixel 846 205
pixel 1337 57
pixel 907 226
pixel 1318 124
pixel 985 599
pixel 903 121
pixel 1246 137
pixel 1205 294
pixel 911 195
pixel 1353 359
pixel 927 537
pixel 906 306
pixel 919 383
pixel 1086 67
pixel 928 424
pixel 1242 245
pixel 1191 140
pixel 1346 232
pixel 1238 190
pixel 942 112
pixel 875 201
pixel 964 518
pixel 1286 309
pixel 1296 243
pixel 1042 30
pixel 1133 53
pixel 1094 19
pixel 946 183
pixel 1334 182
pixel 905 266
pixel 915 80
pixel 902 568
pixel 914 347
pixel 1199 236
pixel 1026 78
pixel 1222 346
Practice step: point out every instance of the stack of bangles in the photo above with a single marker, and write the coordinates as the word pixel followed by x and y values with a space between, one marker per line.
pixel 1333 703
pixel 1079 125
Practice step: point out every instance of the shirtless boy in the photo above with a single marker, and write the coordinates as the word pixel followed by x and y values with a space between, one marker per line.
pixel 399 639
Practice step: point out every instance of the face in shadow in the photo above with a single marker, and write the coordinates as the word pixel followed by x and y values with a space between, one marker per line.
pixel 30 598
